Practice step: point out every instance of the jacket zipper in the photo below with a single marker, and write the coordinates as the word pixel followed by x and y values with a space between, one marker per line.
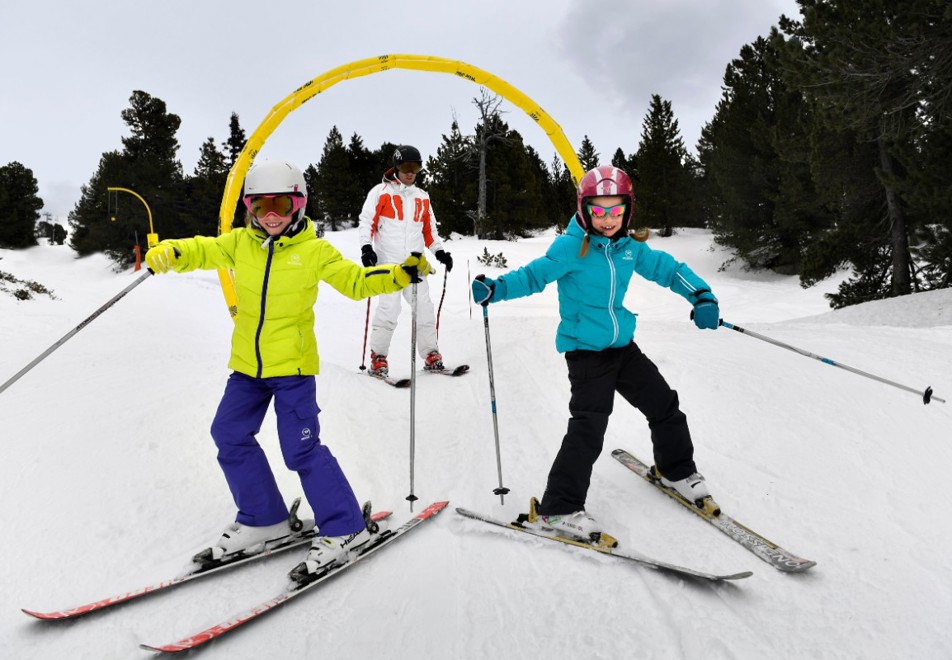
pixel 264 297
pixel 611 296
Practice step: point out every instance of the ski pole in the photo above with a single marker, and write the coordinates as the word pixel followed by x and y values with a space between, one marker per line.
pixel 413 341
pixel 139 280
pixel 439 309
pixel 363 355
pixel 501 491
pixel 926 395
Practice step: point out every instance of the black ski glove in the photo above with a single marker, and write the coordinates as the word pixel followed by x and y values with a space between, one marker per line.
pixel 444 258
pixel 367 256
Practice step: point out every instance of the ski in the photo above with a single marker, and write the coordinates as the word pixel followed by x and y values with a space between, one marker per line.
pixel 763 548
pixel 293 590
pixel 449 371
pixel 98 605
pixel 632 556
pixel 399 383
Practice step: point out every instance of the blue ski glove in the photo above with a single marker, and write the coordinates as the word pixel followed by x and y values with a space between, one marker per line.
pixel 487 290
pixel 706 314
pixel 444 258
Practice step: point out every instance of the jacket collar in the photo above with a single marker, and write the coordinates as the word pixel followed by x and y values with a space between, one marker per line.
pixel 306 233
pixel 595 240
pixel 390 177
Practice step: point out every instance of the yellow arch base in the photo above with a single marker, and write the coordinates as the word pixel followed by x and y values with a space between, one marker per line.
pixel 357 69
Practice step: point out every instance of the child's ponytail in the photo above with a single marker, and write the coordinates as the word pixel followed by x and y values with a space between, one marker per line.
pixel 584 251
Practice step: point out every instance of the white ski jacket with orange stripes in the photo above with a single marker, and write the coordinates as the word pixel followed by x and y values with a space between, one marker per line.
pixel 397 219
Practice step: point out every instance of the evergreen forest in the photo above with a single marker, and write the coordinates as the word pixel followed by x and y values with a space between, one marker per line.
pixel 828 149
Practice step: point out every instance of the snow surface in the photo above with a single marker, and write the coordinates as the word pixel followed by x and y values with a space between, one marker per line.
pixel 109 480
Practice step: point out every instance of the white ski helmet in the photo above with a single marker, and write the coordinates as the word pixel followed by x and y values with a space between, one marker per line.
pixel 276 177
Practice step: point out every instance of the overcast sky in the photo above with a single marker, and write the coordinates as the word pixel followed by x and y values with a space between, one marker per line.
pixel 69 69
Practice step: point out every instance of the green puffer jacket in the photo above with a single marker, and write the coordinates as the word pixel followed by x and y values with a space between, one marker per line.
pixel 276 284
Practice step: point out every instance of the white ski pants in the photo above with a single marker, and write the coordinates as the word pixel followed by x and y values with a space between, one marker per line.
pixel 388 312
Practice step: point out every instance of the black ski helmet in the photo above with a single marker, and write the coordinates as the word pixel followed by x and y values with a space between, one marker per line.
pixel 404 153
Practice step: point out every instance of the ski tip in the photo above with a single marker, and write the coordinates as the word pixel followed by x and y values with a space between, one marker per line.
pixel 737 576
pixel 799 567
pixel 45 616
pixel 433 509
pixel 177 647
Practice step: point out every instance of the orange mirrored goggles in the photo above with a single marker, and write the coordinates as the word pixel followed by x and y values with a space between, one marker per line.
pixel 410 167
pixel 281 205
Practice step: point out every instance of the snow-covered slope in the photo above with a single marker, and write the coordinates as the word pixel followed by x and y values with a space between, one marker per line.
pixel 109 481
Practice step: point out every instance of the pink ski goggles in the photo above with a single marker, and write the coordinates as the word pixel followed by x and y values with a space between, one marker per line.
pixel 281 205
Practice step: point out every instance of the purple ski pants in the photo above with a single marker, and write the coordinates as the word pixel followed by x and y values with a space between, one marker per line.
pixel 249 476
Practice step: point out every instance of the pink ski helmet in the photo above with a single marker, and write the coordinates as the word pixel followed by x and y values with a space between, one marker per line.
pixel 604 180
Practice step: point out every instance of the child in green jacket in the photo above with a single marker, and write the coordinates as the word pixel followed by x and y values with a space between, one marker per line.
pixel 278 262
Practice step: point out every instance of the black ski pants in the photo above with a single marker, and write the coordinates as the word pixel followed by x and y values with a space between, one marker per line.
pixel 595 376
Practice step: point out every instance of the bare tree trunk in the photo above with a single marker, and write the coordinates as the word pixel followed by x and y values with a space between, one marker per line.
pixel 481 197
pixel 488 108
pixel 898 237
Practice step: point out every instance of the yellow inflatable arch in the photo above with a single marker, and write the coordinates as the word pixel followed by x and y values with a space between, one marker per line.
pixel 357 69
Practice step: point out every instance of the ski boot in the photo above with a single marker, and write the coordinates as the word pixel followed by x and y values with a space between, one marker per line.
pixel 329 551
pixel 239 541
pixel 692 488
pixel 433 361
pixel 579 526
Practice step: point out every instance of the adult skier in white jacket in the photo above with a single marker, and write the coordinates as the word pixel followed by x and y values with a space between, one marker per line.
pixel 397 219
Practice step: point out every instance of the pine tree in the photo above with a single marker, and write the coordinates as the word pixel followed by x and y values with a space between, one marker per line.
pixel 665 189
pixel 363 176
pixel 311 210
pixel 236 141
pixel 19 206
pixel 758 191
pixel 452 182
pixel 333 203
pixel 563 203
pixel 152 138
pixel 211 162
pixel 846 59
pixel 930 193
pixel 206 189
pixel 147 165
pixel 587 155
pixel 514 184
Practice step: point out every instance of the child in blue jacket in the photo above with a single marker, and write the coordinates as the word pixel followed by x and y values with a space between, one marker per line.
pixel 592 264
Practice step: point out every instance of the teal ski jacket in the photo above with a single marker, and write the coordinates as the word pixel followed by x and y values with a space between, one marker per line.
pixel 592 288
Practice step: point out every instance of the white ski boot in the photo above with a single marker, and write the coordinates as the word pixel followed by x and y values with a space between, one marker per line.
pixel 578 525
pixel 693 488
pixel 329 551
pixel 239 540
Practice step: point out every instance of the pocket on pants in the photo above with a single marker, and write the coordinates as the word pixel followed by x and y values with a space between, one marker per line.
pixel 306 414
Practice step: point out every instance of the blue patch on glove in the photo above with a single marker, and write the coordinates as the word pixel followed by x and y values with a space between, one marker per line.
pixel 706 314
pixel 487 290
